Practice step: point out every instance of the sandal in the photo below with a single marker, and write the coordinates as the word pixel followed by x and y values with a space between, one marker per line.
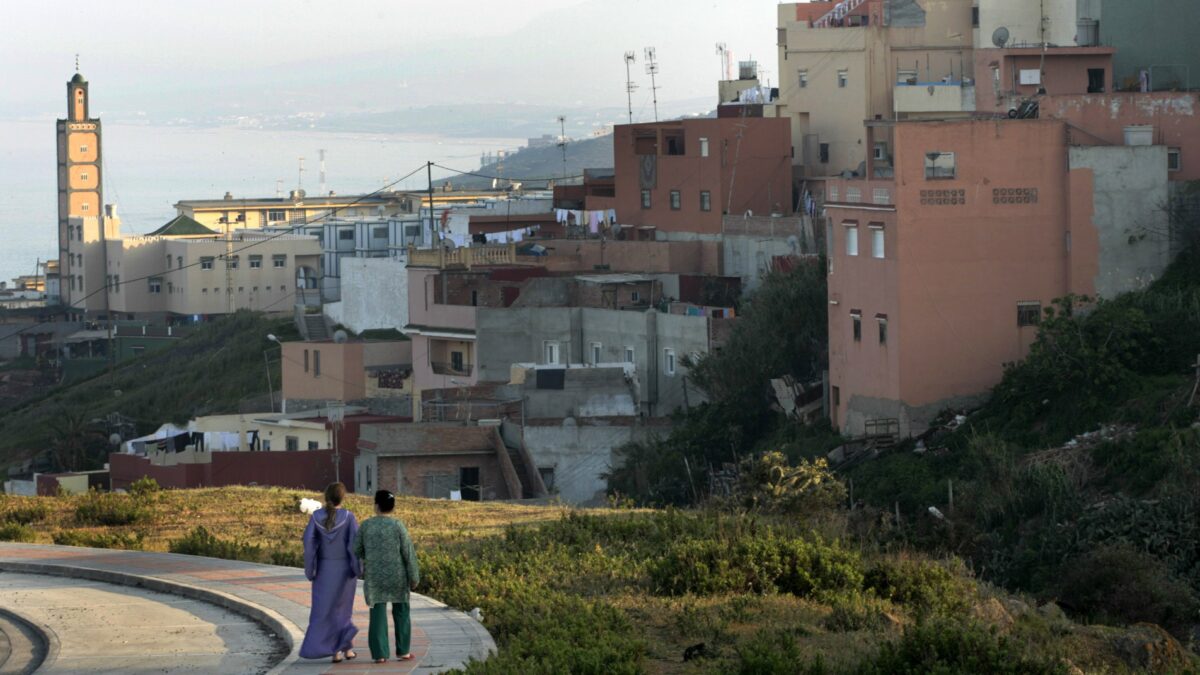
pixel 337 658
pixel 351 655
pixel 380 661
pixel 405 657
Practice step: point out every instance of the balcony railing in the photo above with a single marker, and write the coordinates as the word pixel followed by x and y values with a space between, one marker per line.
pixel 441 257
pixel 444 368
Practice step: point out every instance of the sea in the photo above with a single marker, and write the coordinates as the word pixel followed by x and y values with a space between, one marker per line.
pixel 147 168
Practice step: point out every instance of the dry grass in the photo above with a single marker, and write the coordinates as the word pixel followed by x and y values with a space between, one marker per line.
pixel 270 516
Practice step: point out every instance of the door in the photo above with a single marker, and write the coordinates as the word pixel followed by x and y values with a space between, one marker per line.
pixel 468 481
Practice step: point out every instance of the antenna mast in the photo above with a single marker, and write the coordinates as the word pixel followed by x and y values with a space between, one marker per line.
pixel 723 54
pixel 279 187
pixel 300 176
pixel 562 141
pixel 630 86
pixel 652 70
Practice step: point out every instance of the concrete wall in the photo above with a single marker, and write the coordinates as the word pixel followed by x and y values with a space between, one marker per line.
pixel 374 294
pixel 587 392
pixel 580 455
pixel 1131 224
pixel 692 256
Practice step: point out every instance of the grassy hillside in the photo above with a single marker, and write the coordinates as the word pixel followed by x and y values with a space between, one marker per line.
pixel 618 591
pixel 216 369
pixel 582 154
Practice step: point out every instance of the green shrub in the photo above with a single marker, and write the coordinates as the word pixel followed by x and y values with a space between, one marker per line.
pixel 119 540
pixel 1119 583
pixel 24 514
pixel 201 542
pixel 949 647
pixel 922 585
pixel 855 611
pixel 143 487
pixel 285 555
pixel 772 652
pixel 761 564
pixel 11 531
pixel 102 508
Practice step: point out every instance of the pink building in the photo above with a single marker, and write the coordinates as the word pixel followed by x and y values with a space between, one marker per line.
pixel 939 276
pixel 682 176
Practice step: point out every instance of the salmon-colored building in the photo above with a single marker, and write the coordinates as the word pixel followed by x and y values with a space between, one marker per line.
pixel 683 175
pixel 939 276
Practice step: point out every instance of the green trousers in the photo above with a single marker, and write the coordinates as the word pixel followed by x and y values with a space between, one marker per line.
pixel 377 634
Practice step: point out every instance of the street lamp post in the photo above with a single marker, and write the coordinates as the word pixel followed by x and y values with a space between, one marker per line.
pixel 267 364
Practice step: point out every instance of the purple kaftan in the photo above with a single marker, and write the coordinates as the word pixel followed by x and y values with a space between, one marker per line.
pixel 330 564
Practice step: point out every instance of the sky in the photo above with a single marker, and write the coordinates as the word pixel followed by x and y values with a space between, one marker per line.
pixel 186 58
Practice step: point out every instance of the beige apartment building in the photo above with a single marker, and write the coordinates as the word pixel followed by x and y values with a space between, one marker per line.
pixel 879 59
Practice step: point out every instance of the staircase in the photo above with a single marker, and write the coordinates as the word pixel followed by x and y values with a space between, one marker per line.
pixel 314 328
pixel 839 11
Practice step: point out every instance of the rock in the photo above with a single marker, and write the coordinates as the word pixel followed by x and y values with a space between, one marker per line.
pixel 1149 648
pixel 1052 611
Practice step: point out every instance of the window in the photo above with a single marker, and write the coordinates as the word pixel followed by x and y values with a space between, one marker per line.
pixel 1095 80
pixel 83 148
pixel 168 262
pixel 824 153
pixel 117 283
pixel 939 165
pixel 457 362
pixel 880 151
pixel 379 232
pixel 206 263
pixel 83 176
pixel 255 262
pixel 550 351
pixel 877 242
pixel 705 200
pixel 1173 157
pixel 241 289
pixel 170 287
pixel 316 363
pixel 155 284
pixel 313 445
pixel 306 360
pixel 975 17
pixel 1029 314
pixel 669 361
pixel 293 443
pixel 179 261
pixel 675 201
pixel 851 239
pixel 843 78
pixel 345 235
pixel 274 215
pixel 279 261
pixel 881 196
pixel 232 263
pixel 547 474
pixel 474 298
pixel 629 355
pixel 803 79
pixel 881 319
pixel 635 296
pixel 853 195
pixel 645 199
pixel 856 324
pixel 597 350
pixel 204 291
pixel 84 207
pixel 704 147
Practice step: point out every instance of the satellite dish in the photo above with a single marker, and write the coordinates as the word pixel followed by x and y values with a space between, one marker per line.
pixel 449 244
pixel 114 440
pixel 1000 37
pixel 340 337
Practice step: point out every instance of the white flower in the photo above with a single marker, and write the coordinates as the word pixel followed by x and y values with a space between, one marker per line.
pixel 309 506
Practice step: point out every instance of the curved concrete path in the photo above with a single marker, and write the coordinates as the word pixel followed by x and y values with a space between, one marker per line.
pixel 275 597
pixel 23 647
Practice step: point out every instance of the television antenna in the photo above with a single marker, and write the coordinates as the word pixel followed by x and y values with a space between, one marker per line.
pixel 652 71
pixel 723 53
pixel 630 85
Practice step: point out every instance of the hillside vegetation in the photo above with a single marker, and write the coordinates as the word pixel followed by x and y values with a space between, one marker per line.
pixel 544 163
pixel 621 591
pixel 216 369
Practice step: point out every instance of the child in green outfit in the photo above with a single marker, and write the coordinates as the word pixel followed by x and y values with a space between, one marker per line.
pixel 389 564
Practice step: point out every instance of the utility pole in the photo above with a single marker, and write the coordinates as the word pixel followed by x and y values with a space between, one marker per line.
pixel 300 176
pixel 433 238
pixel 652 71
pixel 562 141
pixel 321 192
pixel 630 58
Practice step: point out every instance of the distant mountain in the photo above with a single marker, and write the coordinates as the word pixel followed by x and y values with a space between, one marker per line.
pixel 538 165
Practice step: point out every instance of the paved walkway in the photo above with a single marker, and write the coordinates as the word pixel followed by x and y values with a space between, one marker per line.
pixel 276 597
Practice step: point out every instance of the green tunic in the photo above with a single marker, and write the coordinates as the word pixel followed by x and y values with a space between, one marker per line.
pixel 389 558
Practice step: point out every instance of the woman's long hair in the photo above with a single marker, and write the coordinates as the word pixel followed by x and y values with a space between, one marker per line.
pixel 334 494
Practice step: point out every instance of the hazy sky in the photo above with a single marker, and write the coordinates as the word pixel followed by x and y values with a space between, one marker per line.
pixel 184 57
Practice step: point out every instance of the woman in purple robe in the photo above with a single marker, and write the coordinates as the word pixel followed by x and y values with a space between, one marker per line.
pixel 330 564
